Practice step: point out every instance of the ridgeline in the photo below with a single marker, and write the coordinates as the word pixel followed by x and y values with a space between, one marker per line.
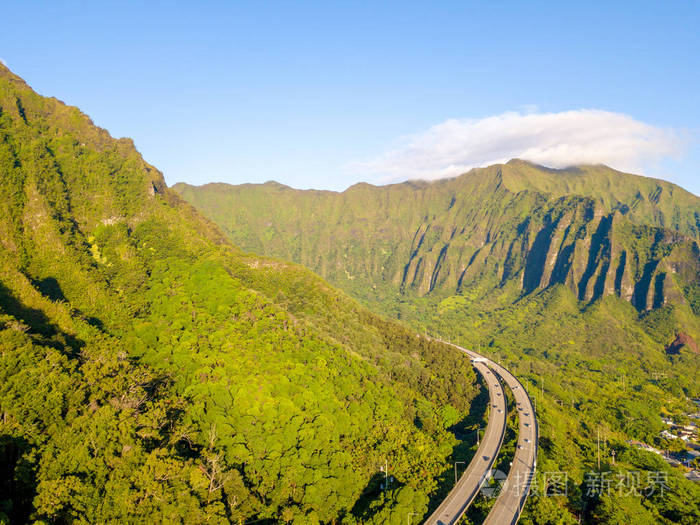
pixel 151 371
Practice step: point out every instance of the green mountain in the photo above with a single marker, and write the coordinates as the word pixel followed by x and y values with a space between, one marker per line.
pixel 595 230
pixel 150 371
pixel 577 279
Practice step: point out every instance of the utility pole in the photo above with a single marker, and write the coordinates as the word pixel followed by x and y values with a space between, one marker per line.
pixel 599 449
pixel 385 469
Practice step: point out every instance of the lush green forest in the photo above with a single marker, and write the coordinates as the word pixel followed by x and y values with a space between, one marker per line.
pixel 576 279
pixel 151 371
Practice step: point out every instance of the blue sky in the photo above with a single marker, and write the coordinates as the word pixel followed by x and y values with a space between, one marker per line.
pixel 324 94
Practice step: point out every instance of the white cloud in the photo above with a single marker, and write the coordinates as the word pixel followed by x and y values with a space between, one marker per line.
pixel 556 140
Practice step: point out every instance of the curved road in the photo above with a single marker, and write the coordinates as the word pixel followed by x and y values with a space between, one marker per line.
pixel 461 496
pixel 514 492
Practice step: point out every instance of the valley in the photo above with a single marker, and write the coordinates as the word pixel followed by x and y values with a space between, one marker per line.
pixel 255 353
pixel 349 263
pixel 578 285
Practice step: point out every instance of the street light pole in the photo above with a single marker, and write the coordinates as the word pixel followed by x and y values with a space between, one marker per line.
pixel 456 462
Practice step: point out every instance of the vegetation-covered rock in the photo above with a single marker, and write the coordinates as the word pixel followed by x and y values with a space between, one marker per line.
pixel 150 371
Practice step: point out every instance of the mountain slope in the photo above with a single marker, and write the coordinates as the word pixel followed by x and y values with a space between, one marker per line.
pixel 514 224
pixel 152 370
pixel 578 280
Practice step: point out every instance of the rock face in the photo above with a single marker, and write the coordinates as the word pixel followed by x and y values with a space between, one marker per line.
pixel 682 342
pixel 597 231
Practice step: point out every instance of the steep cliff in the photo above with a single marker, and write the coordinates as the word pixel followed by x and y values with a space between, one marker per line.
pixel 514 226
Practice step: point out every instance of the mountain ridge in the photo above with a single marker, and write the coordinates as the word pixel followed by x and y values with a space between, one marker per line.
pixel 568 170
pixel 579 295
pixel 453 230
pixel 152 370
pixel 149 369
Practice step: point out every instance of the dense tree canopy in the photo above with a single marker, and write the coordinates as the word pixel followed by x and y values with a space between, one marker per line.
pixel 151 371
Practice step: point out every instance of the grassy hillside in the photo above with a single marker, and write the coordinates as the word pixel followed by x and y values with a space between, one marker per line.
pixel 150 371
pixel 577 279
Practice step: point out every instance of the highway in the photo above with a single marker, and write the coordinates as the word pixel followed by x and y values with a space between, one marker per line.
pixel 514 492
pixel 461 496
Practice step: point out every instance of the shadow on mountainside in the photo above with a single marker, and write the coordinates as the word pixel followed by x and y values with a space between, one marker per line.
pixel 38 323
pixel 17 479
pixel 361 510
